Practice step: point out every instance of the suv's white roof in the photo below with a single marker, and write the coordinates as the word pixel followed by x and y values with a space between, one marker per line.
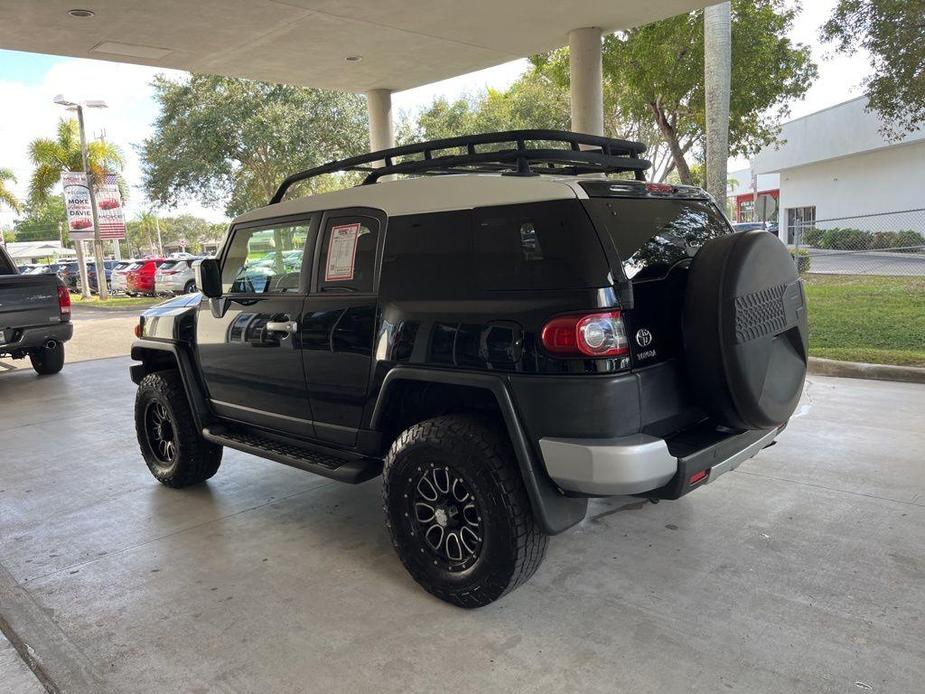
pixel 430 194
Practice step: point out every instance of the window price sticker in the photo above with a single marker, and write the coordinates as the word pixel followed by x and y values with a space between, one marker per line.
pixel 342 250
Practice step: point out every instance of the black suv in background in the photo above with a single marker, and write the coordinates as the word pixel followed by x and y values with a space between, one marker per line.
pixel 501 341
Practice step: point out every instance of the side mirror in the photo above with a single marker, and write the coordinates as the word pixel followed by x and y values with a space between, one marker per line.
pixel 209 278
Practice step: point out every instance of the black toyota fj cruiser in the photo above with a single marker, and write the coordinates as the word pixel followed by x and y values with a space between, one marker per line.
pixel 501 341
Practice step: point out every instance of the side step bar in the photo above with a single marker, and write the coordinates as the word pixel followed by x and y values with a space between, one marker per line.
pixel 351 471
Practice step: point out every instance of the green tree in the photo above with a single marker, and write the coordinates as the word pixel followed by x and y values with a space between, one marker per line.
pixel 51 157
pixel 893 32
pixel 141 232
pixel 654 74
pixel 232 141
pixel 6 195
pixel 533 101
pixel 42 221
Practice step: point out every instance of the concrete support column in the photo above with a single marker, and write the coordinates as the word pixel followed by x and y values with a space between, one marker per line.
pixel 381 132
pixel 717 69
pixel 586 77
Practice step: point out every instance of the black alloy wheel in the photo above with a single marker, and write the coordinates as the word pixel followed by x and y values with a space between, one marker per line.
pixel 447 516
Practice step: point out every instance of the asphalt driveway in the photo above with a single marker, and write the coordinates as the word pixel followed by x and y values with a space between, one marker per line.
pixel 802 571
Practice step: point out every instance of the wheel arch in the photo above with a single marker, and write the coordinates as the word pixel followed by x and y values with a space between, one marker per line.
pixel 553 511
pixel 159 356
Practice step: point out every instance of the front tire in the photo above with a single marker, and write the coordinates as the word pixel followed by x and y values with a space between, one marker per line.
pixel 174 450
pixel 458 513
pixel 47 360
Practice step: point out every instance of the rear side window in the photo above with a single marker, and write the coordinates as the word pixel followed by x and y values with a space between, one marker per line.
pixel 652 235
pixel 428 255
pixel 546 245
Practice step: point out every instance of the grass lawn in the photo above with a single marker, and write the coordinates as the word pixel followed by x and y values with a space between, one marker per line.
pixel 115 302
pixel 880 320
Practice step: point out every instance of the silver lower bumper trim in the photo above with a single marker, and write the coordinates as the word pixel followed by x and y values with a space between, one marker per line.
pixel 733 461
pixel 609 467
pixel 626 465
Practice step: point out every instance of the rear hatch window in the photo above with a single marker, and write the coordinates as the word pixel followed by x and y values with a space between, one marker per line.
pixel 652 235
pixel 169 265
pixel 653 242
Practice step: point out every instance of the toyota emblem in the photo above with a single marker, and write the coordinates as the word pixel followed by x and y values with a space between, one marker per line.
pixel 643 337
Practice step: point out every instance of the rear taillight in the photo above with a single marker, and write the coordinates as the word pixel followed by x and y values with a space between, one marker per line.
pixel 659 188
pixel 64 302
pixel 586 335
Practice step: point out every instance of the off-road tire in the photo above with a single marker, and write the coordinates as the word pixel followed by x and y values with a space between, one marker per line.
pixel 47 361
pixel 513 546
pixel 196 459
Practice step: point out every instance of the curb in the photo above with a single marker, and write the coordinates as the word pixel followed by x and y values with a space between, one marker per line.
pixel 877 372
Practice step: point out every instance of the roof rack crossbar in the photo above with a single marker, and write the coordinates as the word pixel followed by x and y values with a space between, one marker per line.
pixel 584 154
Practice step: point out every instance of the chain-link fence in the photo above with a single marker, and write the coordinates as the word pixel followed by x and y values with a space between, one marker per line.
pixel 887 243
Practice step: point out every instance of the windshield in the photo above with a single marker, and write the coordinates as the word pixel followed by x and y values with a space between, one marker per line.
pixel 652 235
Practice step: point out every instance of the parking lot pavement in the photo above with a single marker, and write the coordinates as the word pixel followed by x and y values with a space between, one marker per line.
pixel 866 263
pixel 98 333
pixel 803 571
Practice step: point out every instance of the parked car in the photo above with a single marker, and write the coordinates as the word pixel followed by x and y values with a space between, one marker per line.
pixel 109 266
pixel 139 279
pixel 117 278
pixel 175 277
pixel 35 316
pixel 500 345
pixel 26 268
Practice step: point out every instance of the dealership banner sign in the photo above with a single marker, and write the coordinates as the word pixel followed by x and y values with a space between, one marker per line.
pixel 79 212
pixel 77 206
pixel 109 208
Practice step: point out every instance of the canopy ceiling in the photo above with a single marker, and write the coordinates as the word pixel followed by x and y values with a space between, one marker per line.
pixel 402 43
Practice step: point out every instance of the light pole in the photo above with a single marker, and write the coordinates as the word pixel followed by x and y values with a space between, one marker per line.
pixel 101 283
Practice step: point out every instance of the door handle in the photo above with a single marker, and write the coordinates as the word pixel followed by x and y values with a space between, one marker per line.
pixel 286 326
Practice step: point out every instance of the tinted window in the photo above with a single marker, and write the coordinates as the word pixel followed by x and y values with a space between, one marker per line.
pixel 265 260
pixel 348 255
pixel 6 265
pixel 651 235
pixel 428 255
pixel 547 245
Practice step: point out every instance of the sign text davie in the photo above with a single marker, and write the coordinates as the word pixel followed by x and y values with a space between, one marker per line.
pixel 77 206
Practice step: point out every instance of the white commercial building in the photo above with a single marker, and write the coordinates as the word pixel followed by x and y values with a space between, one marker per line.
pixel 836 168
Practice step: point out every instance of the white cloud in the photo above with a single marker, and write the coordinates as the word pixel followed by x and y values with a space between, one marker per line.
pixel 30 113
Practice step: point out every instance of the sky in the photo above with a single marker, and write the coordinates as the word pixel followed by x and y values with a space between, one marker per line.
pixel 29 82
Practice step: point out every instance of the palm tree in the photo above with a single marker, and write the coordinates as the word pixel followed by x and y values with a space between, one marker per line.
pixel 717 77
pixel 52 157
pixel 6 195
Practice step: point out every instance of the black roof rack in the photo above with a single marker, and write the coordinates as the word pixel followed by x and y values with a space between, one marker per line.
pixel 584 154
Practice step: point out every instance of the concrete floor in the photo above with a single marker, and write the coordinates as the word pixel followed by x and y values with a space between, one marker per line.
pixel 803 571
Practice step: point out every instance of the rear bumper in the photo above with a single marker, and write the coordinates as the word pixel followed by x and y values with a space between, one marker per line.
pixel 36 336
pixel 643 464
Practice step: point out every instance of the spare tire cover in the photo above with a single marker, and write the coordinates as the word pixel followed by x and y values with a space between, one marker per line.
pixel 745 332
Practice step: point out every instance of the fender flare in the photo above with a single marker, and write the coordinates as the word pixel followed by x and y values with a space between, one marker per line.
pixel 553 511
pixel 144 350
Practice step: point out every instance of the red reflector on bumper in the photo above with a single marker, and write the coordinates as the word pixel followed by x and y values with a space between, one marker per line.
pixel 699 477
